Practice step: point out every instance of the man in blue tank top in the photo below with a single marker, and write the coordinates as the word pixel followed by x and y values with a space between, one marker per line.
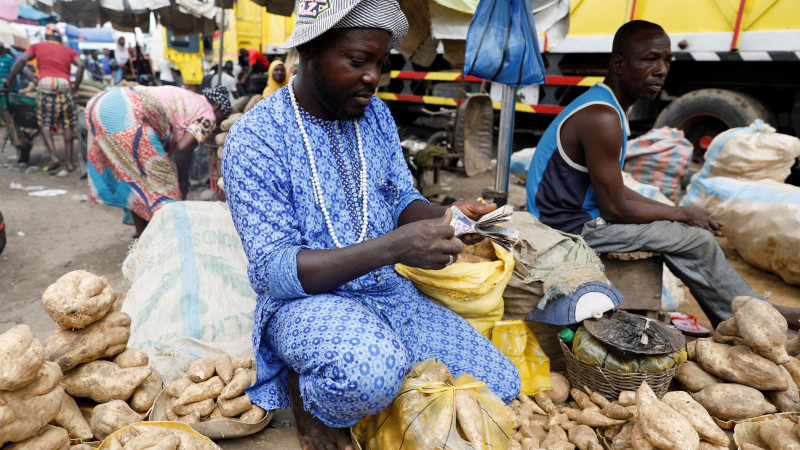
pixel 575 179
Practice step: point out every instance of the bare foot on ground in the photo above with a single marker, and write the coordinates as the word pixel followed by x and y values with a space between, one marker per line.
pixel 311 432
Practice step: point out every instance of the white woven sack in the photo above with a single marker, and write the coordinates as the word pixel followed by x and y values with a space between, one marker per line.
pixel 190 296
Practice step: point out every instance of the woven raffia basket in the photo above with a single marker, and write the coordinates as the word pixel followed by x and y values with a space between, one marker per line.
pixel 608 383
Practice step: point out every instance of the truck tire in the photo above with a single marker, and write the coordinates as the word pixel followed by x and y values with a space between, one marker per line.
pixel 704 113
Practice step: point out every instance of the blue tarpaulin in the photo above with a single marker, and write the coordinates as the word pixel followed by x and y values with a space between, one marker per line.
pixel 31 13
pixel 89 34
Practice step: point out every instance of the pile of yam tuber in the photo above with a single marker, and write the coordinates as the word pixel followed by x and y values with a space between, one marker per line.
pixel 140 437
pixel 569 418
pixel 87 357
pixel 746 369
pixel 213 390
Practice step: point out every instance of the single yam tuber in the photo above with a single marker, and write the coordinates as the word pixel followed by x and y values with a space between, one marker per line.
pixel 235 406
pixel 48 438
pixel 692 377
pixel 78 299
pixel 627 398
pixel 595 418
pixel 612 431
pixel 21 357
pixel 556 420
pixel 31 410
pixel 729 340
pixel 102 339
pixel 529 444
pixel 190 418
pixel 762 327
pixel 698 417
pixel 596 398
pixel 691 348
pixel 560 388
pixel 779 434
pixel 210 388
pixel 152 439
pixel 70 418
pixel 571 413
pixel 661 425
pixel 470 418
pixel 728 328
pixel 111 416
pixel 731 401
pixel 239 382
pixel 169 409
pixel 616 411
pixel 739 364
pixel 131 357
pixel 177 387
pixel 514 445
pixel 555 436
pixel 568 425
pixel 113 444
pixel 544 402
pixel 255 414
pixel 241 363
pixel 224 367
pixel 103 381
pixel 638 439
pixel 145 395
pixel 793 346
pixel 709 446
pixel 583 400
pixel 584 438
pixel 789 399
pixel 622 440
pixel 202 369
pixel 203 408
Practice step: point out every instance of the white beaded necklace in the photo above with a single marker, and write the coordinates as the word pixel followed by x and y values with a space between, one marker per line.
pixel 315 184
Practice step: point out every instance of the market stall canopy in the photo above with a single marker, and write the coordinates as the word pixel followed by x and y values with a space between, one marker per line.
pixel 12 36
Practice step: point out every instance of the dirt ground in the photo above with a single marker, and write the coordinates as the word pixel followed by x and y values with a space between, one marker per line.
pixel 49 236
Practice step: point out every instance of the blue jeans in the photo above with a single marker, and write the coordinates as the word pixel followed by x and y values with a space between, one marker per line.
pixel 691 253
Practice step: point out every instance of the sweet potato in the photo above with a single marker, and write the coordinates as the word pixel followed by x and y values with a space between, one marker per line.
pixel 739 364
pixel 239 382
pixel 224 367
pixel 153 439
pixel 616 411
pixel 102 339
pixel 779 434
pixel 103 381
pixel 596 398
pixel 560 388
pixel 190 418
pixel 556 420
pixel 584 438
pixel 27 410
pixel 731 401
pixel 789 399
pixel 48 438
pixel 70 418
pixel 168 409
pixel 555 436
pixel 235 406
pixel 110 417
pixel 21 357
pixel 661 425
pixel 201 369
pixel 78 299
pixel 468 413
pixel 698 417
pixel 255 414
pixel 762 327
pixel 131 357
pixel 692 377
pixel 145 395
pixel 210 388
pixel 190 442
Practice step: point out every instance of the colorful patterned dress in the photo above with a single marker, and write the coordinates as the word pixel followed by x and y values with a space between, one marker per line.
pixel 352 346
pixel 130 129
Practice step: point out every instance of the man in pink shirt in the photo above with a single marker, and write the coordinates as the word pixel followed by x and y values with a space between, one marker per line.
pixel 56 104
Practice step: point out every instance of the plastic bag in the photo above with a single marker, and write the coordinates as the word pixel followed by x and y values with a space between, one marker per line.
pixel 659 158
pixel 474 291
pixel 591 351
pixel 502 44
pixel 423 416
pixel 518 342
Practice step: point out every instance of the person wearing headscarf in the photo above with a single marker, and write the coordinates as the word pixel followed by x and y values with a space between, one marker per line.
pixel 276 77
pixel 325 206
pixel 133 133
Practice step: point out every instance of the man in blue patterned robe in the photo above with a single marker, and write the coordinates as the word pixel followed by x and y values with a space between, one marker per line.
pixel 325 206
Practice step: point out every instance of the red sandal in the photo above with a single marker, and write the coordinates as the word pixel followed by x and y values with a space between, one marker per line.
pixel 688 325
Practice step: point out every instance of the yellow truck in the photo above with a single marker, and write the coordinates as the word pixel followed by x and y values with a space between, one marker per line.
pixel 735 60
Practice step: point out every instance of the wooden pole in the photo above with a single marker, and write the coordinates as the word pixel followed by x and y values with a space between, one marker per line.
pixel 221 47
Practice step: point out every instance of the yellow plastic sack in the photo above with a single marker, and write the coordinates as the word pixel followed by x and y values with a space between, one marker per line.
pixel 474 291
pixel 592 351
pixel 423 416
pixel 518 342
